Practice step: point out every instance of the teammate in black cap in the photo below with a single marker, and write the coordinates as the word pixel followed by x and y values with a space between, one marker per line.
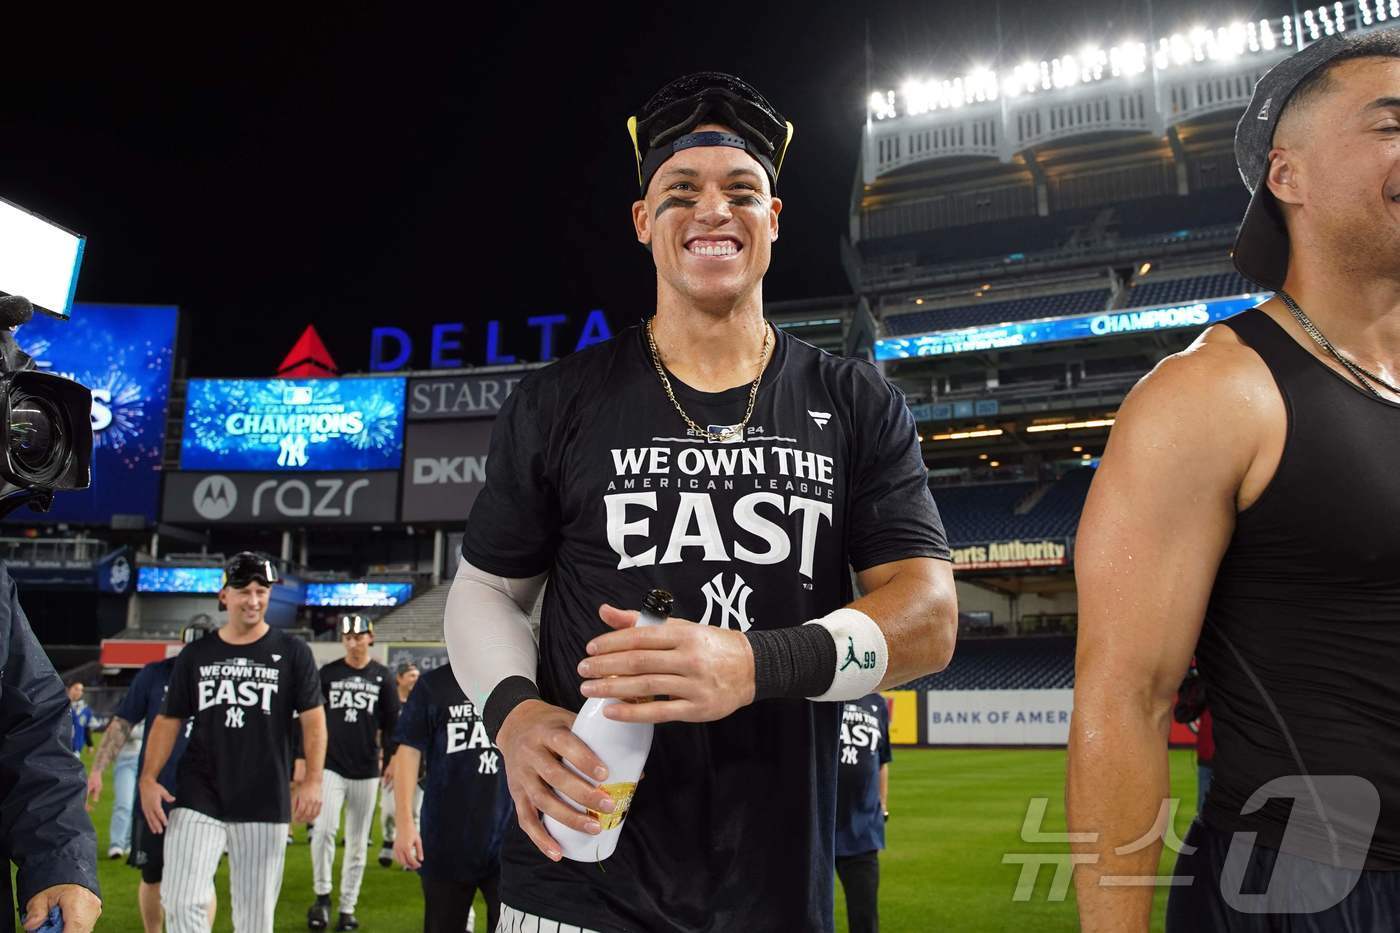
pixel 242 686
pixel 142 703
pixel 465 803
pixel 714 456
pixel 1249 498
pixel 361 707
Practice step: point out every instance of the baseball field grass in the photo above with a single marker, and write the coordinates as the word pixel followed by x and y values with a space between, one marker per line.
pixel 954 814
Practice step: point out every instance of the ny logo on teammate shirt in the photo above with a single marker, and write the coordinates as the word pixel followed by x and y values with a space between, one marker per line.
pixel 352 715
pixel 732 603
pixel 488 763
pixel 233 717
pixel 850 755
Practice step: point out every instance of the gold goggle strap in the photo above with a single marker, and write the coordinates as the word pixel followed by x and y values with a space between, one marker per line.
pixel 636 148
pixel 778 163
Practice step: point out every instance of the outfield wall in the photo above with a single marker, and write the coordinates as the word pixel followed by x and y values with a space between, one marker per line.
pixel 989 717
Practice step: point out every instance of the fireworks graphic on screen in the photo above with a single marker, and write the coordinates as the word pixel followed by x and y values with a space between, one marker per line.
pixel 307 424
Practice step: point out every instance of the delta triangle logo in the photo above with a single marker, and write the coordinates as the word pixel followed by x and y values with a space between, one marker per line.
pixel 308 358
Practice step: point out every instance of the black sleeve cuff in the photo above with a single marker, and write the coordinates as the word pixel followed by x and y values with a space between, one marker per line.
pixel 509 694
pixel 792 662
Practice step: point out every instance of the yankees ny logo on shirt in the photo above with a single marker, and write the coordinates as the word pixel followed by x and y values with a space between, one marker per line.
pixel 488 763
pixel 233 717
pixel 732 604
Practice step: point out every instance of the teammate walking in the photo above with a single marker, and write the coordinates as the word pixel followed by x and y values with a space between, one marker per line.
pixel 361 708
pixel 242 686
pixel 1249 495
pixel 405 677
pixel 141 705
pixel 862 806
pixel 714 456
pixel 465 805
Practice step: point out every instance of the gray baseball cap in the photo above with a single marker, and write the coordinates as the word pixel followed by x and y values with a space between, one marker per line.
pixel 1261 247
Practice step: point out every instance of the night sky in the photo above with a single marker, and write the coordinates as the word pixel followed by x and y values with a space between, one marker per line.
pixel 360 167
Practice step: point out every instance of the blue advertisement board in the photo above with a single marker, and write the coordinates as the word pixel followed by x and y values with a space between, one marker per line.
pixel 179 579
pixel 1079 327
pixel 293 424
pixel 124 354
pixel 376 595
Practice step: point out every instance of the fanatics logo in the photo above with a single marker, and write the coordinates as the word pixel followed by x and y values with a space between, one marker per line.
pixel 821 418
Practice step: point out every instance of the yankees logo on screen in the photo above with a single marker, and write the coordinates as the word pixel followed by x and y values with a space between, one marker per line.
pixel 353 696
pixel 758 500
pixel 240 685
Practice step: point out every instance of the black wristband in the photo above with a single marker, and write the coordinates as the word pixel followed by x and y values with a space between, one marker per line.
pixel 799 661
pixel 508 694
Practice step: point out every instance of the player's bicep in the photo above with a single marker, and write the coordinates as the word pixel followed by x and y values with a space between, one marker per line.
pixel 1157 521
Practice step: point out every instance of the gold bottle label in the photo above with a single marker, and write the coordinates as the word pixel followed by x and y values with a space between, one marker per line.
pixel 621 792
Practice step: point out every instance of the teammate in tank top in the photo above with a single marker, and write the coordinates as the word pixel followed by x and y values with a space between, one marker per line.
pixel 1249 498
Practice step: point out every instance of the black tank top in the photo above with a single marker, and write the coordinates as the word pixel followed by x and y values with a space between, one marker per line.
pixel 1301 643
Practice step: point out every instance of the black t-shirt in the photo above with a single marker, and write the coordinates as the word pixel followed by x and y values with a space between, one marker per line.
pixel 242 698
pixel 465 801
pixel 361 705
pixel 594 477
pixel 865 746
pixel 142 703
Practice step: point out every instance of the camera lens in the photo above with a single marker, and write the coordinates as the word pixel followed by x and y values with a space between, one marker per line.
pixel 34 428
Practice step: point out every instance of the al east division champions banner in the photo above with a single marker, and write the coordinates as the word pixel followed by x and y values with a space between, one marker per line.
pixel 998 717
pixel 123 354
pixel 293 424
pixel 1014 554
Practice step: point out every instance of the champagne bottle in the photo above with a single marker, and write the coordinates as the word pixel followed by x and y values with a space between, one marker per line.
pixel 623 747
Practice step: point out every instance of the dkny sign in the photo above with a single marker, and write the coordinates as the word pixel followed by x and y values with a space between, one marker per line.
pixel 279 498
pixel 444 469
pixel 459 396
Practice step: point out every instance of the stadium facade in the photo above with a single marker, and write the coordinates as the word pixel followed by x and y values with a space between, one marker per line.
pixel 1023 245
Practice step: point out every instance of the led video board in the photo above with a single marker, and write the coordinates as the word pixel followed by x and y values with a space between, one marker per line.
pixel 123 353
pixel 1078 327
pixel 179 579
pixel 352 424
pixel 367 595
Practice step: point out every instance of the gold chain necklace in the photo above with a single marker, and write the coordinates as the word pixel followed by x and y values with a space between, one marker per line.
pixel 728 433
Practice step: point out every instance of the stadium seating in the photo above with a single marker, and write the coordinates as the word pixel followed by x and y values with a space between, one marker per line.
pixel 1179 291
pixel 975 514
pixel 985 313
pixel 1029 663
pixel 1213 207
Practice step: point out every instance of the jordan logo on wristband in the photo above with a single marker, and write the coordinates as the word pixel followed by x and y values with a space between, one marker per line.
pixel 865 664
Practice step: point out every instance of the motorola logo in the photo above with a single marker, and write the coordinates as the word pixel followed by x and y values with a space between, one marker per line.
pixel 215 497
pixel 252 498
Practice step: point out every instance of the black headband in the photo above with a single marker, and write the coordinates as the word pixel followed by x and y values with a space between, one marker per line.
pixel 657 156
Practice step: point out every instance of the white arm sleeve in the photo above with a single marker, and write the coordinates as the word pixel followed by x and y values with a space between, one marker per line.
pixel 488 630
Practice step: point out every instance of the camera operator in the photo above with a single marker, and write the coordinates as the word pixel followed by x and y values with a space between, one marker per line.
pixel 44 828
